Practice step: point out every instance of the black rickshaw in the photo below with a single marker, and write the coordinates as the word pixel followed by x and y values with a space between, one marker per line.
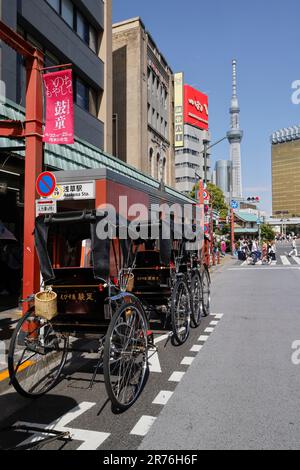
pixel 108 288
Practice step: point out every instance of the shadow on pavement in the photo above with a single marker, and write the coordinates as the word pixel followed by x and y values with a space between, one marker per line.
pixel 44 410
pixel 7 327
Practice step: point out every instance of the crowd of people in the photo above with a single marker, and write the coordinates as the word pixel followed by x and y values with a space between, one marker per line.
pixel 250 249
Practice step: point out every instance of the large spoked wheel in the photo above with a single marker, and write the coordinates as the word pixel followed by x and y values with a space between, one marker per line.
pixel 180 312
pixel 125 359
pixel 36 357
pixel 196 300
pixel 206 291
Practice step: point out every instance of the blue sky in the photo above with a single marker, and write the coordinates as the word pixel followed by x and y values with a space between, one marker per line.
pixel 201 38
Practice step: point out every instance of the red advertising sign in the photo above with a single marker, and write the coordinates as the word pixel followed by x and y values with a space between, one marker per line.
pixel 59 108
pixel 195 108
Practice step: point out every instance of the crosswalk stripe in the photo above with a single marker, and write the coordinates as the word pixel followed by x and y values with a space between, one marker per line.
pixel 296 259
pixel 285 261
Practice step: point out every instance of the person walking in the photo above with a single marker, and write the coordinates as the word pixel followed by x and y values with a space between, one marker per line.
pixel 294 250
pixel 223 247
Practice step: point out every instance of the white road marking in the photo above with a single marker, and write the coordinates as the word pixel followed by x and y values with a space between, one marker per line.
pixel 214 323
pixel 92 440
pixel 153 361
pixel 196 348
pixel 203 338
pixel 187 361
pixel 244 263
pixel 176 376
pixel 219 316
pixel 162 398
pixel 285 261
pixel 274 263
pixel 262 270
pixel 296 259
pixel 161 338
pixel 208 330
pixel 143 425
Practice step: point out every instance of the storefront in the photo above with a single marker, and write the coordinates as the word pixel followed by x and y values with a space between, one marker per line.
pixel 80 156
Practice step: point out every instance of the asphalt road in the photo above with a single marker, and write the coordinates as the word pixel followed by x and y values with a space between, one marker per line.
pixel 242 391
pixel 238 387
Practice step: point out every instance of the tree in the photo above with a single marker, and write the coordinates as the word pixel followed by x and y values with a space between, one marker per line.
pixel 267 233
pixel 217 199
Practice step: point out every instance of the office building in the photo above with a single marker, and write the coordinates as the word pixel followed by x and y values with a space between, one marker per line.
pixel 142 102
pixel 286 171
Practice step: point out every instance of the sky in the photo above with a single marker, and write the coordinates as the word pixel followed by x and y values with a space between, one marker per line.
pixel 202 37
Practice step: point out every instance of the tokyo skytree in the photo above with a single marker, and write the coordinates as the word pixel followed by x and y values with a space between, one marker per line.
pixel 235 136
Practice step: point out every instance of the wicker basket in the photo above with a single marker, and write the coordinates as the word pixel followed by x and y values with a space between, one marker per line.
pixel 46 304
pixel 126 281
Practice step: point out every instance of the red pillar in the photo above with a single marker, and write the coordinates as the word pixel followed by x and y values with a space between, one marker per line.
pixel 232 231
pixel 33 166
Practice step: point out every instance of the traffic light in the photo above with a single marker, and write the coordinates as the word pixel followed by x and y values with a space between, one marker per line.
pixel 253 199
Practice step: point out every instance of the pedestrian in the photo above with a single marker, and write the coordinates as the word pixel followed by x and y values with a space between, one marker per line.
pixel 265 252
pixel 223 247
pixel 294 250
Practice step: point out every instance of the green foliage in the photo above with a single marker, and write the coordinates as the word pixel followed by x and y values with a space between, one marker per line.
pixel 267 233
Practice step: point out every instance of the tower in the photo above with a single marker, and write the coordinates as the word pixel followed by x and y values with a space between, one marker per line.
pixel 235 136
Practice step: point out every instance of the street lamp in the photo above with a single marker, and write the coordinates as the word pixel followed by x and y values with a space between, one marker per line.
pixel 282 214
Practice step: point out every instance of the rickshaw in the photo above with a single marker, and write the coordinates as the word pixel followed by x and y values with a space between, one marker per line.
pixel 109 289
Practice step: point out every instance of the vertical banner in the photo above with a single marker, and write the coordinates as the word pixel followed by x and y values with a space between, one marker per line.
pixel 179 109
pixel 59 127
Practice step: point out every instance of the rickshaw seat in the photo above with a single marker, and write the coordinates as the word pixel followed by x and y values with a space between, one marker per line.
pixel 149 258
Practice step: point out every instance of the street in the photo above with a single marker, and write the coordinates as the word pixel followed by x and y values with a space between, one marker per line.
pixel 231 386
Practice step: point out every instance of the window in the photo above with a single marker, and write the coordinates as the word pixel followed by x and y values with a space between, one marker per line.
pixel 93 105
pixel 50 59
pixel 93 43
pixel 83 28
pixel 77 21
pixel 55 4
pixel 82 94
pixel 67 12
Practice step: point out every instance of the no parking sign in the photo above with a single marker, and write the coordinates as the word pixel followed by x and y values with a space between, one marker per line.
pixel 46 184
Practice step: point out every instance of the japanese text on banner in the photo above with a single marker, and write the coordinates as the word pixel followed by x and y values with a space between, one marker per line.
pixel 59 127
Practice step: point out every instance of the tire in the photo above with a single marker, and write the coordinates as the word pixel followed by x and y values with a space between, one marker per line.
pixel 180 312
pixel 125 358
pixel 196 300
pixel 36 357
pixel 206 291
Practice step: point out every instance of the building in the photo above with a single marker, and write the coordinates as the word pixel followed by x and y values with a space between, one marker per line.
pixel 189 153
pixel 142 102
pixel 67 31
pixel 77 32
pixel 222 178
pixel 286 172
pixel 246 224
pixel 235 136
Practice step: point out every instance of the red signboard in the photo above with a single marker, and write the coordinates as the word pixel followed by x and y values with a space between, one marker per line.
pixel 59 108
pixel 195 108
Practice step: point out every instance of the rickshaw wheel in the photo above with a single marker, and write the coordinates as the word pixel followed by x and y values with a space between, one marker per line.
pixel 180 312
pixel 36 357
pixel 196 300
pixel 206 291
pixel 125 359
